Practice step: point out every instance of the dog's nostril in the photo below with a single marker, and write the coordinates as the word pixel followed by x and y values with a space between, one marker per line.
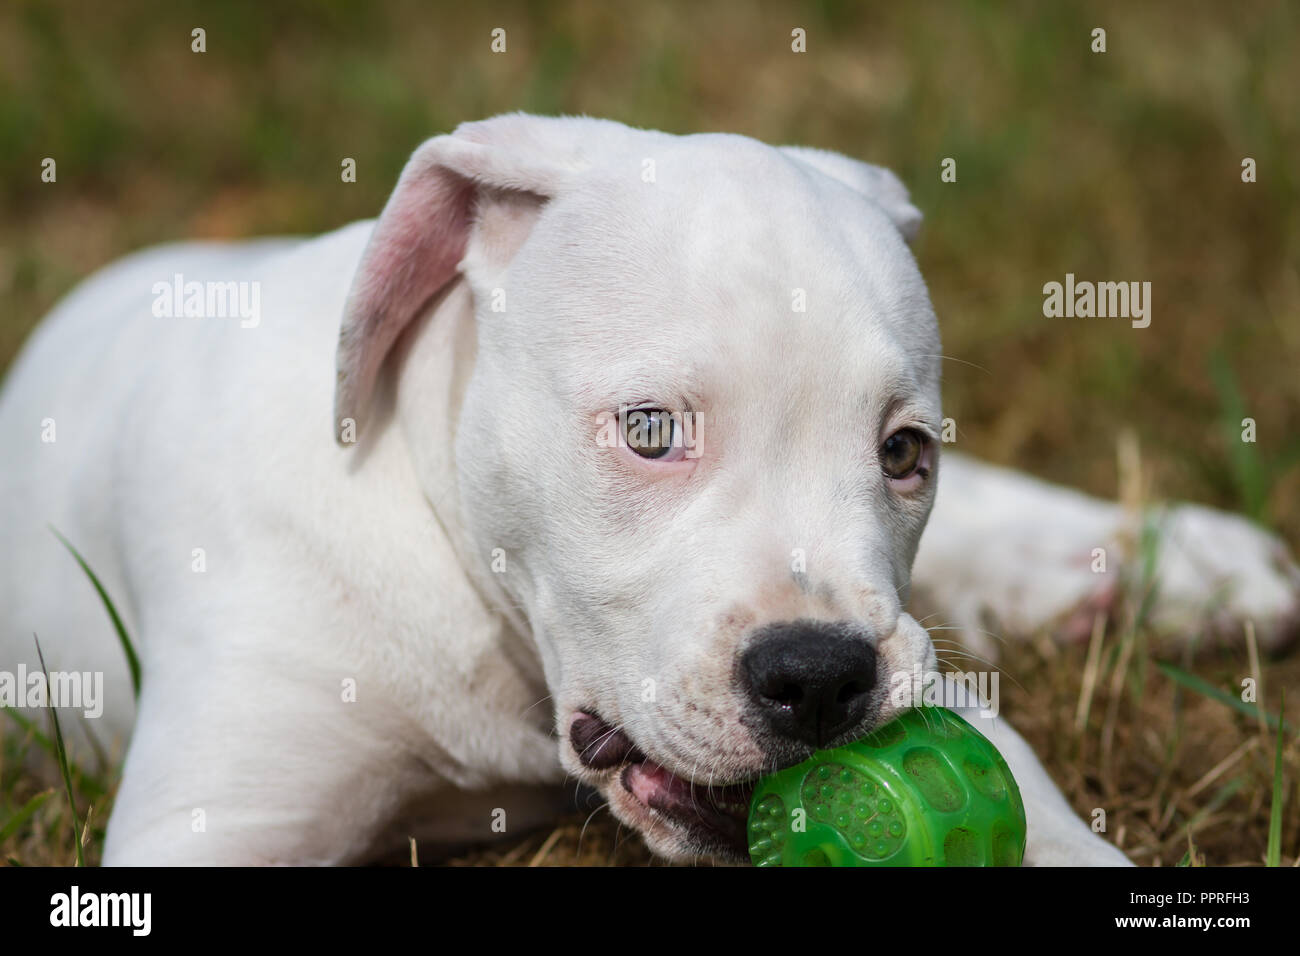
pixel 787 695
pixel 811 681
pixel 851 690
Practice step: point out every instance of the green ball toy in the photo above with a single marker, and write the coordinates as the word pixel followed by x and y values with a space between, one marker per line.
pixel 926 789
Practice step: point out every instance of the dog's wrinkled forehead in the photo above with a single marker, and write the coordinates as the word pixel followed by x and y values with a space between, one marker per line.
pixel 692 248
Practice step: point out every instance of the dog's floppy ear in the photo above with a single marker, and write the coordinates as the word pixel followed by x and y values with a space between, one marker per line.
pixel 446 199
pixel 875 182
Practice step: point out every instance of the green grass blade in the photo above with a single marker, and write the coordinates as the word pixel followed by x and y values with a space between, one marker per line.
pixel 21 817
pixel 1274 857
pixel 63 758
pixel 1193 857
pixel 1204 687
pixel 132 661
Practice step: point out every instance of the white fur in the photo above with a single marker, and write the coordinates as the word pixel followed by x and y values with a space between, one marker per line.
pixel 373 563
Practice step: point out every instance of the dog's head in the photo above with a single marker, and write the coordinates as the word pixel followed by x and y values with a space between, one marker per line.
pixel 700 436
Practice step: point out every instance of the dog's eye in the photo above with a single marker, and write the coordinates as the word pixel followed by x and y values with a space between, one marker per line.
pixel 649 431
pixel 901 453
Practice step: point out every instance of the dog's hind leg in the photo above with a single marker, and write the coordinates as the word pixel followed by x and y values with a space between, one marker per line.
pixel 1008 555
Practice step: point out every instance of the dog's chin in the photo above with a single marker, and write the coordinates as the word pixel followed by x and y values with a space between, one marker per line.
pixel 679 818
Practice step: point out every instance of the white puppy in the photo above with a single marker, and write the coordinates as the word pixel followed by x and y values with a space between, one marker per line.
pixel 634 438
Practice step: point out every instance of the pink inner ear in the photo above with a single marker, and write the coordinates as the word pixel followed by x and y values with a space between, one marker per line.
pixel 413 252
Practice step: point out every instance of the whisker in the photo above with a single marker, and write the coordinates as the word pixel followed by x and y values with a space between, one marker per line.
pixel 534 704
pixel 972 630
pixel 999 670
pixel 583 832
pixel 952 358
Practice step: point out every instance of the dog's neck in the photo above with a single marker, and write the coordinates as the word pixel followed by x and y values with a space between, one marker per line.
pixel 432 365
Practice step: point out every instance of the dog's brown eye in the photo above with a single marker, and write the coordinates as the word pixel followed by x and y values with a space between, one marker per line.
pixel 649 431
pixel 901 453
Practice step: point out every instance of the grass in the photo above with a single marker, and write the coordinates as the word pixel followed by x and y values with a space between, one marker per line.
pixel 36 830
pixel 133 662
pixel 1122 166
pixel 1206 689
pixel 1274 854
pixel 61 753
pixel 21 828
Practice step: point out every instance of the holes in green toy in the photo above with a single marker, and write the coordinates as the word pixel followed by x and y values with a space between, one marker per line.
pixel 961 847
pixel 986 778
pixel 934 779
pixel 1008 850
pixel 816 857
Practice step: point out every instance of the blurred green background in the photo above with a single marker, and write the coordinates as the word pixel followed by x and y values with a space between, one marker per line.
pixel 1116 166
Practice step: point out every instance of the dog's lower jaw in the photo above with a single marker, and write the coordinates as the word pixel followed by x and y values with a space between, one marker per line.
pixel 679 817
pixel 665 837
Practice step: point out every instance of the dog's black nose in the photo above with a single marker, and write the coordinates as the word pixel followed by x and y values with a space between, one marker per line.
pixel 810 680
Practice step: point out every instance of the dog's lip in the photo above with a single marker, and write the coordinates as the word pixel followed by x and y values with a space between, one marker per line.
pixel 600 746
pixel 715 815
pixel 718 816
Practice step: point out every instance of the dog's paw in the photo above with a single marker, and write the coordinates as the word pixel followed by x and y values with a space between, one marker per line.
pixel 1009 556
pixel 1207 574
pixel 1215 572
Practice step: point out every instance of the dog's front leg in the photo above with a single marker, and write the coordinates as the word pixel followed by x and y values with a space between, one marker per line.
pixel 206 784
pixel 1005 554
pixel 260 763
